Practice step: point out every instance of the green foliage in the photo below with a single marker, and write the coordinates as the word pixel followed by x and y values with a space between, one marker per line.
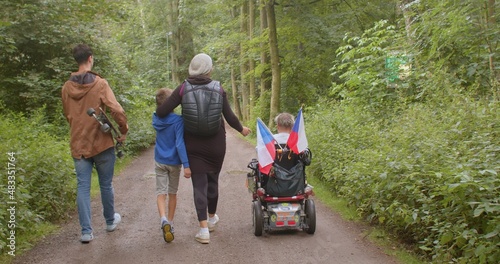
pixel 418 155
pixel 44 178
pixel 428 172
pixel 452 38
pixel 360 67
pixel 140 107
pixel 38 39
pixel 261 110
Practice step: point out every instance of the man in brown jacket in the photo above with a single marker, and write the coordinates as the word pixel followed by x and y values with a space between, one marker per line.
pixel 89 145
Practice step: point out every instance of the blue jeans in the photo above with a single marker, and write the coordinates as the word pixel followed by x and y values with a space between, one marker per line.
pixel 105 164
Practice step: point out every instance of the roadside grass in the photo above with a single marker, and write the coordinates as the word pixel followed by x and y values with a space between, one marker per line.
pixel 39 231
pixel 44 229
pixel 375 234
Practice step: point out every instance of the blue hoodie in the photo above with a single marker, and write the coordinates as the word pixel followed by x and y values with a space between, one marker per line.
pixel 170 148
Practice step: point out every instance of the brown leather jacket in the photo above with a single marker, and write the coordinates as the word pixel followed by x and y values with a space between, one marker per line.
pixel 79 93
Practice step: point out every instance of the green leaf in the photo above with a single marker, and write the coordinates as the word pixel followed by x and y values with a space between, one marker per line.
pixel 446 237
pixel 491 234
pixel 478 211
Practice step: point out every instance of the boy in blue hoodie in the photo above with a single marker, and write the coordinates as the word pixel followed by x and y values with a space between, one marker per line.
pixel 170 157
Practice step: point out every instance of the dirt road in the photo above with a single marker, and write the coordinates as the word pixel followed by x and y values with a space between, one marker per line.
pixel 138 238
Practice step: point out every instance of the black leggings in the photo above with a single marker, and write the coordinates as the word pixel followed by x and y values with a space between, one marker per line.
pixel 205 193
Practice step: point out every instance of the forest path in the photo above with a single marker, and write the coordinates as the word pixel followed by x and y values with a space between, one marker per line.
pixel 138 238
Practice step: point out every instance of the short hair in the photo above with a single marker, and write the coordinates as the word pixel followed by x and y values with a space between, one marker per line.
pixel 162 95
pixel 81 53
pixel 285 120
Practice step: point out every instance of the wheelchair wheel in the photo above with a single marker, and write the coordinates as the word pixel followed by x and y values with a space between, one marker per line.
pixel 310 211
pixel 258 219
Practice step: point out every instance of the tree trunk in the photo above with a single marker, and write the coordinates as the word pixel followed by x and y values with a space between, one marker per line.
pixel 141 14
pixel 181 44
pixel 275 62
pixel 264 58
pixel 243 62
pixel 236 102
pixel 265 76
pixel 251 62
pixel 172 18
pixel 404 6
pixel 491 22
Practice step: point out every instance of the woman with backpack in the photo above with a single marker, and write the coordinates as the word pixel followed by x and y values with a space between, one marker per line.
pixel 204 102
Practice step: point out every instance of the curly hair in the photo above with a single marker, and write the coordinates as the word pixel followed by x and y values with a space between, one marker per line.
pixel 162 95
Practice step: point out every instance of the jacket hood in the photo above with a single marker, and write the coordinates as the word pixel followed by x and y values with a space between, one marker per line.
pixel 79 85
pixel 165 122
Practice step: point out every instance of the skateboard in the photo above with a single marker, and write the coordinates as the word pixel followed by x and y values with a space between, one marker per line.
pixel 107 127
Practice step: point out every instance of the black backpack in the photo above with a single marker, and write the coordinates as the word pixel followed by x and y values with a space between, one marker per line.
pixel 202 108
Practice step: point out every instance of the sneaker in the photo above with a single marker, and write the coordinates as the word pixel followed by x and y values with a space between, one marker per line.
pixel 86 238
pixel 212 223
pixel 168 231
pixel 112 227
pixel 203 238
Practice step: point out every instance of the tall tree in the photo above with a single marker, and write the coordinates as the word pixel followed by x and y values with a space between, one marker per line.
pixel 183 48
pixel 275 61
pixel 251 61
pixel 264 51
pixel 234 86
pixel 244 60
pixel 264 67
pixel 491 25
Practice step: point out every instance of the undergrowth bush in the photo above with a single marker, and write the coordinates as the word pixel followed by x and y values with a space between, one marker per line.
pixel 44 181
pixel 427 171
pixel 139 106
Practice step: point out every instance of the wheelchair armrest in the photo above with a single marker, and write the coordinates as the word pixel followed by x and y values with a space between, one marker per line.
pixel 254 164
pixel 306 157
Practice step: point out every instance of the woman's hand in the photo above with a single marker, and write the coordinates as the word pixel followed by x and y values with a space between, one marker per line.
pixel 246 131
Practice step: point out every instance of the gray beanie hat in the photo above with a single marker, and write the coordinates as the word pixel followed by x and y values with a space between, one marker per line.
pixel 201 64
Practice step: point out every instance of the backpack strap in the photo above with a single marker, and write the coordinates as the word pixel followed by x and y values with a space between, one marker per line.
pixel 181 91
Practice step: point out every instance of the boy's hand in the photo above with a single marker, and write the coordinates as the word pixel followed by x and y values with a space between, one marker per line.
pixel 187 173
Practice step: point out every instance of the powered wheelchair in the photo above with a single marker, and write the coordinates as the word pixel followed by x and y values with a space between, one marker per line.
pixel 281 200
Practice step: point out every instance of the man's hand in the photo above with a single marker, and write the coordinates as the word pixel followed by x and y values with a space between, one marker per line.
pixel 246 131
pixel 121 138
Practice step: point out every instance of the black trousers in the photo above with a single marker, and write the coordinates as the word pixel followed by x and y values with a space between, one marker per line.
pixel 205 193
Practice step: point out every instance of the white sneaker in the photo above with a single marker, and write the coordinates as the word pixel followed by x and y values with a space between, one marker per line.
pixel 112 227
pixel 213 223
pixel 203 238
pixel 86 238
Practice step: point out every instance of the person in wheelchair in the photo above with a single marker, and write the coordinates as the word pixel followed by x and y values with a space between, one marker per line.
pixel 284 124
pixel 285 158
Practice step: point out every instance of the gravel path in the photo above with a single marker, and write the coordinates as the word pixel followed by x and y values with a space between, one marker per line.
pixel 138 238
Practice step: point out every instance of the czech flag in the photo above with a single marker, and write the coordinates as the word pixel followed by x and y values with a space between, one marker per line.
pixel 297 141
pixel 266 151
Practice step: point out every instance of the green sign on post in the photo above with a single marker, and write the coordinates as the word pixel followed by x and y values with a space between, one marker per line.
pixel 394 66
